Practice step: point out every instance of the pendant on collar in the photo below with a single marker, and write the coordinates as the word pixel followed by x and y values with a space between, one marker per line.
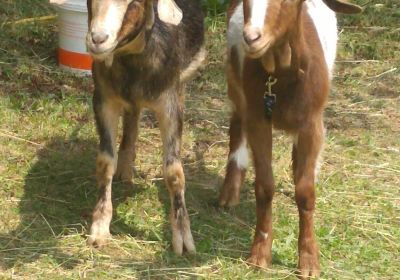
pixel 269 97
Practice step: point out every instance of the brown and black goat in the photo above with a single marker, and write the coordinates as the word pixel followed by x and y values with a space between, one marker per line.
pixel 280 58
pixel 144 51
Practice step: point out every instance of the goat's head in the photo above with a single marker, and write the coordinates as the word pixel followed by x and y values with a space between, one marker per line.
pixel 114 23
pixel 268 21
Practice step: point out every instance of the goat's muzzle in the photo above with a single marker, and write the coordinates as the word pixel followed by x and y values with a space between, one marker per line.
pixel 100 45
pixel 251 35
pixel 256 43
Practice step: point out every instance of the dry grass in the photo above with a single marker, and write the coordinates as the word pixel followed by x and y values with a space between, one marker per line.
pixel 48 143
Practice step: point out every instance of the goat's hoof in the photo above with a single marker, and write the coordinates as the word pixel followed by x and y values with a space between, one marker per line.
pixel 308 266
pixel 99 235
pixel 125 175
pixel 183 241
pixel 259 261
pixel 229 196
pixel 260 255
pixel 98 241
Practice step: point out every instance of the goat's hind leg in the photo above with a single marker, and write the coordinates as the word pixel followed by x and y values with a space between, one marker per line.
pixel 107 115
pixel 238 158
pixel 169 114
pixel 127 153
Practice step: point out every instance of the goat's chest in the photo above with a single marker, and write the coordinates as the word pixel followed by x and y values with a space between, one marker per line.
pixel 139 83
pixel 294 105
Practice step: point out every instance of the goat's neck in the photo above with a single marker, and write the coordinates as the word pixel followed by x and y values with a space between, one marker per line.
pixel 289 55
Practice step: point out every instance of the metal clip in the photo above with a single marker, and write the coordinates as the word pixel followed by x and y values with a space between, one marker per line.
pixel 271 81
pixel 269 97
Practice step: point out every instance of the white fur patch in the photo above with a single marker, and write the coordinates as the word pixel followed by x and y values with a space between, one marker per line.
pixel 241 156
pixel 263 234
pixel 235 33
pixel 113 19
pixel 326 24
pixel 258 11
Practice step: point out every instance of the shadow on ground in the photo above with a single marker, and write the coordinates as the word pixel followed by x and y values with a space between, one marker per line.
pixel 60 193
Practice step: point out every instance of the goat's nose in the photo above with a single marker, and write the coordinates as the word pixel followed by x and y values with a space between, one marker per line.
pixel 99 37
pixel 251 35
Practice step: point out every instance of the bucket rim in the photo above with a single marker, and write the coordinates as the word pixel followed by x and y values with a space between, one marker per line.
pixel 72 5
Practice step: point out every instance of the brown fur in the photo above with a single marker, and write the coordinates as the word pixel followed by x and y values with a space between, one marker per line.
pixel 301 93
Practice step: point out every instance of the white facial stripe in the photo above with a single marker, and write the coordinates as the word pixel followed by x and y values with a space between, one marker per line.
pixel 258 10
pixel 113 18
pixel 110 22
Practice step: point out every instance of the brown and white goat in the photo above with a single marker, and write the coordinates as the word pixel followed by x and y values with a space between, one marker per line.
pixel 280 55
pixel 144 51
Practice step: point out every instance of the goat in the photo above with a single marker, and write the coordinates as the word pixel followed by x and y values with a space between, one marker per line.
pixel 144 51
pixel 280 58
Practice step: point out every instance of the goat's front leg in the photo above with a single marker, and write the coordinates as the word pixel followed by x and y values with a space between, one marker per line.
pixel 305 159
pixel 260 140
pixel 169 113
pixel 127 153
pixel 107 115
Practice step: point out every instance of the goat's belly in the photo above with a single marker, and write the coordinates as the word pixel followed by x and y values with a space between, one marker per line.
pixel 294 109
pixel 288 120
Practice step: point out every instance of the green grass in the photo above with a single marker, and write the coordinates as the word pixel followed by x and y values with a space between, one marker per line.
pixel 48 145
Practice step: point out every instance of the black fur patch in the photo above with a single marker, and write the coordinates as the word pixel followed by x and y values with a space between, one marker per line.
pixel 104 133
pixel 178 202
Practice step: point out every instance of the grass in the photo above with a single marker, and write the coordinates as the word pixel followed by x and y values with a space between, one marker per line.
pixel 48 145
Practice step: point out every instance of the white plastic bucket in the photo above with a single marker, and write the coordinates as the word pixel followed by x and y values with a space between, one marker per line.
pixel 73 26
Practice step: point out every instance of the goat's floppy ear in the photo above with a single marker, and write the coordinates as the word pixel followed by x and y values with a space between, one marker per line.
pixel 169 12
pixel 342 7
pixel 150 15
